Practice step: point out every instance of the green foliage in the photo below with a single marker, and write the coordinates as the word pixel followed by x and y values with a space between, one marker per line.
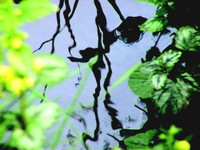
pixel 187 38
pixel 40 8
pixel 139 81
pixel 39 118
pixel 160 22
pixel 52 69
pixel 152 80
pixel 21 71
pixel 158 80
pixel 155 2
pixel 168 60
pixel 171 80
pixel 171 97
pixel 153 24
pixel 20 67
pixel 140 141
pixel 167 140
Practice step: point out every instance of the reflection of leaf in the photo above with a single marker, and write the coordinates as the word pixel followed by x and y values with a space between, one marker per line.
pixel 140 141
pixel 153 25
pixel 140 83
pixel 53 68
pixel 171 97
pixel 187 38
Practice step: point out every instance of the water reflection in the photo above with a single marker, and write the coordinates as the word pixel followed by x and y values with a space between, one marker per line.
pixel 126 31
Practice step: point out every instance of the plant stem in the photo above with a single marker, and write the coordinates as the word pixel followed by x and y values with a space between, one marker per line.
pixel 23 107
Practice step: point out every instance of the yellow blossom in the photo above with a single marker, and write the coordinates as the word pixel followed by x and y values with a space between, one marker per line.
pixel 29 82
pixel 38 64
pixel 16 86
pixel 16 43
pixel 181 145
pixel 6 73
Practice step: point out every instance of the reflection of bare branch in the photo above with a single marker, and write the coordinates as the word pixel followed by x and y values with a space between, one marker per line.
pixel 79 118
pixel 141 109
pixel 86 108
pixel 114 5
pixel 71 138
pixel 129 119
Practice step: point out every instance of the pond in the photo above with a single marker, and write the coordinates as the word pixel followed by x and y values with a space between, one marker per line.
pixel 96 96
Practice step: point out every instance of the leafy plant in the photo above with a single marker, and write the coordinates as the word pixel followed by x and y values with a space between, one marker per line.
pixel 167 140
pixel 23 127
pixel 169 82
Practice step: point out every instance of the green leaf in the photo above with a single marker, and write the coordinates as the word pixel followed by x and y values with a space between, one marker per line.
pixel 190 81
pixel 172 97
pixel 155 2
pixel 21 60
pixel 153 25
pixel 161 12
pixel 160 146
pixel 158 80
pixel 23 140
pixel 45 111
pixel 39 118
pixel 139 81
pixel 140 141
pixel 9 121
pixel 36 9
pixel 53 68
pixel 187 38
pixel 169 59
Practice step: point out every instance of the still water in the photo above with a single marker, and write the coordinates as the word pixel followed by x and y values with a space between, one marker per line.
pixel 78 32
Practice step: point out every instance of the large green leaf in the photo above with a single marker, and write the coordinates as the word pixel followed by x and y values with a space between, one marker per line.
pixel 139 81
pixel 140 141
pixel 168 59
pixel 171 97
pixel 187 38
pixel 153 25
pixel 36 9
pixel 53 68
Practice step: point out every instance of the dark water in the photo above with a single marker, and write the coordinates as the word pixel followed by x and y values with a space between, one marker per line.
pixel 108 31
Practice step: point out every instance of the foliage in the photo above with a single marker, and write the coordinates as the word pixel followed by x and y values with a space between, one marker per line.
pixel 141 140
pixel 152 80
pixel 20 72
pixel 187 38
pixel 167 140
pixel 168 82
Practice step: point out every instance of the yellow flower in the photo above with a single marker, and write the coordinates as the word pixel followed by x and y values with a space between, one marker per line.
pixel 6 73
pixel 29 82
pixel 181 145
pixel 16 86
pixel 38 64
pixel 16 43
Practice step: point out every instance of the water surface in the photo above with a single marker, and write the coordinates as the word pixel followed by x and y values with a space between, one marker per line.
pixel 78 32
